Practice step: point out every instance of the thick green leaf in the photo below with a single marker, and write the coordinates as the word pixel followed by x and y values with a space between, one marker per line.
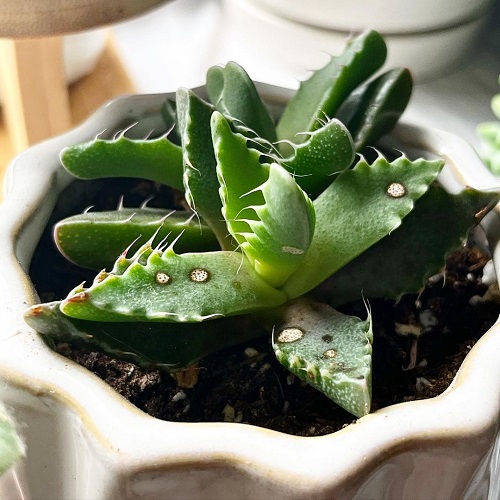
pixel 363 205
pixel 329 350
pixel 168 346
pixel 495 105
pixel 12 449
pixel 493 162
pixel 169 114
pixel 200 176
pixel 159 285
pixel 270 217
pixel 233 93
pixel 489 133
pixel 403 260
pixel 158 160
pixel 326 152
pixel 324 92
pixel 373 109
pixel 96 239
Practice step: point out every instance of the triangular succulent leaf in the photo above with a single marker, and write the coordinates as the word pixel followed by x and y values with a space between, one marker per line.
pixel 403 260
pixel 269 216
pixel 160 285
pixel 328 350
pixel 359 208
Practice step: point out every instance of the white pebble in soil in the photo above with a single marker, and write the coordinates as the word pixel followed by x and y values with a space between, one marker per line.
pixel 489 274
pixel 475 300
pixel 427 319
pixel 229 413
pixel 421 383
pixel 251 352
pixel 179 396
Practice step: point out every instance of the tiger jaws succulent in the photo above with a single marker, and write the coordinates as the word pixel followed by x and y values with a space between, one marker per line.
pixel 274 211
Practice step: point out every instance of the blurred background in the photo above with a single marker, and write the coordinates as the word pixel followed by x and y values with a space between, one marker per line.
pixel 451 46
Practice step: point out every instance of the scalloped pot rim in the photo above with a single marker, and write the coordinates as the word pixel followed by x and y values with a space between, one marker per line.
pixel 147 453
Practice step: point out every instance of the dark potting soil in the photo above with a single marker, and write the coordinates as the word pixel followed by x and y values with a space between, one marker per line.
pixel 246 384
pixel 419 344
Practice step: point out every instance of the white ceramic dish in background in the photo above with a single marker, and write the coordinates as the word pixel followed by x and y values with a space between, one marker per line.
pixel 85 442
pixel 81 52
pixel 286 46
pixel 388 16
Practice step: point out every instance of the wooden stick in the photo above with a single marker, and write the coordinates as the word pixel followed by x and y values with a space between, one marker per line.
pixel 33 86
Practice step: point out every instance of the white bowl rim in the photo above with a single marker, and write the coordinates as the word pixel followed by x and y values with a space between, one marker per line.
pixel 391 17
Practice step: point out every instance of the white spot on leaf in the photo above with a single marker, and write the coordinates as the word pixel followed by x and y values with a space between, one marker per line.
pixel 290 335
pixel 199 275
pixel 330 353
pixel 396 190
pixel 292 250
pixel 162 278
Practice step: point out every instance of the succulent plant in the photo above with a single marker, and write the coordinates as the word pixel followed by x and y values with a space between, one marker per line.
pixel 12 448
pixel 275 211
pixel 489 133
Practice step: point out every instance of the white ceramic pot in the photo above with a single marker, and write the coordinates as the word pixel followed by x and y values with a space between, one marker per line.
pixel 84 441
pixel 81 52
pixel 289 37
pixel 388 16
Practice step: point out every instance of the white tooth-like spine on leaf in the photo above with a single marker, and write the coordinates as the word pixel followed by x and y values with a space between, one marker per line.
pixel 258 202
